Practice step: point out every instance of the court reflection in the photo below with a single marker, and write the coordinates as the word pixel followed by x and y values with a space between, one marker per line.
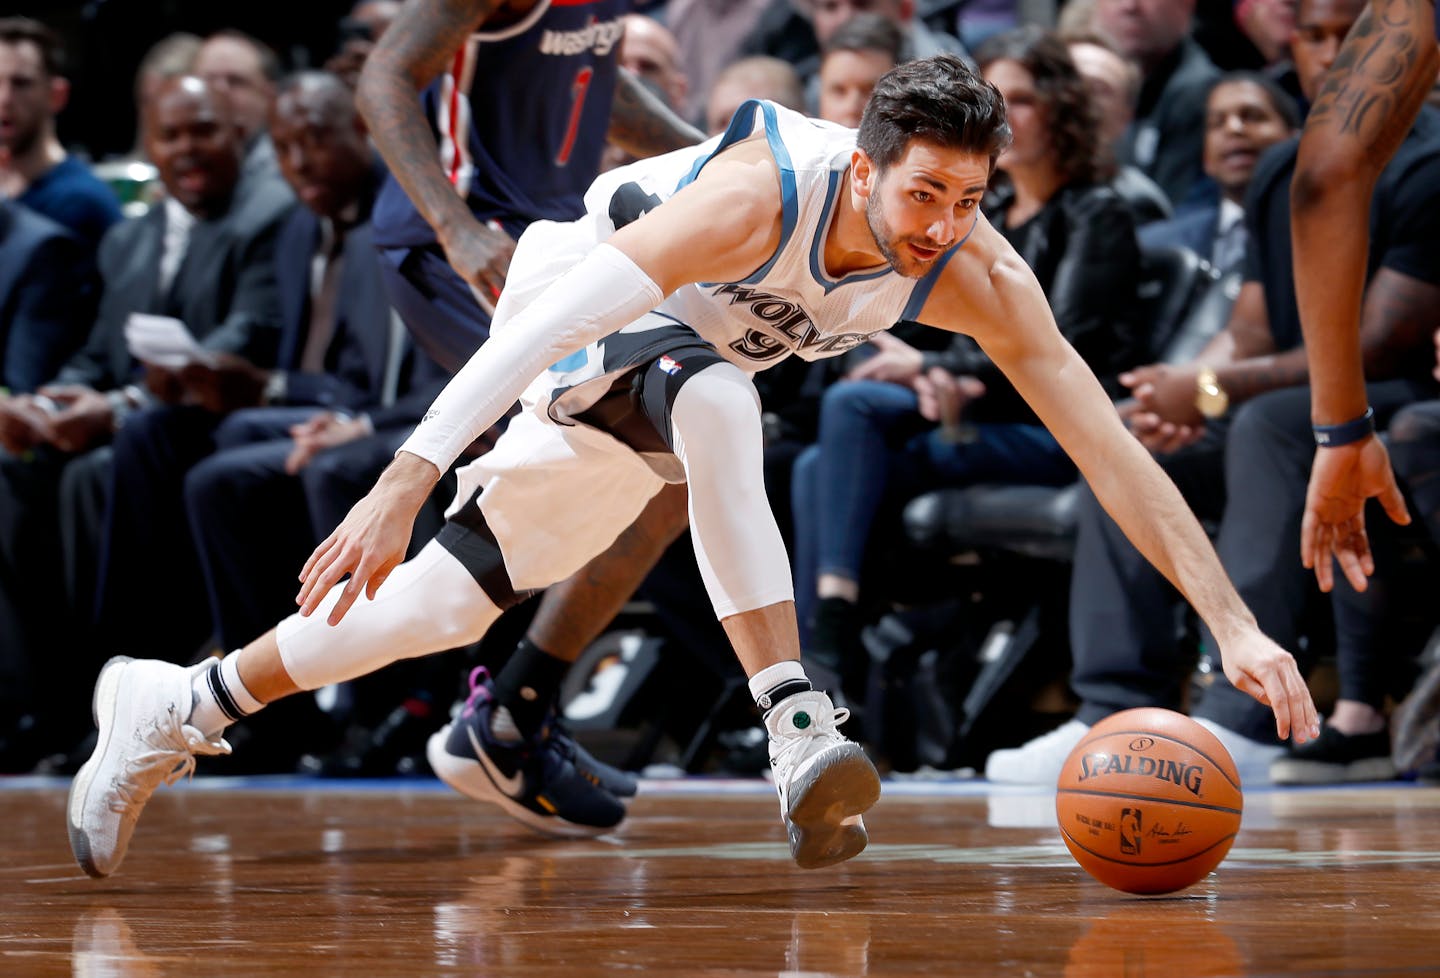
pixel 102 945
pixel 1155 938
pixel 538 916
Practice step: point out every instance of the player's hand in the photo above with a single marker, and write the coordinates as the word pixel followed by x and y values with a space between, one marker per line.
pixel 1165 390
pixel 480 254
pixel 371 541
pixel 324 430
pixel 1259 667
pixel 895 361
pixel 1341 480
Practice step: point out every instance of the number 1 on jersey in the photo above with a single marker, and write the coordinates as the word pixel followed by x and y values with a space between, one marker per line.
pixel 578 89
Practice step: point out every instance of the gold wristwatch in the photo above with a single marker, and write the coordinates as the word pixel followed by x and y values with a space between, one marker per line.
pixel 1210 398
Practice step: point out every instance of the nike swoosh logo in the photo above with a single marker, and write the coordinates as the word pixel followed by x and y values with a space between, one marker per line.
pixel 514 785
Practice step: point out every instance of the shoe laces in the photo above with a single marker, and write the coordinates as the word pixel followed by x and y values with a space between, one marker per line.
pixel 172 745
pixel 479 688
pixel 795 743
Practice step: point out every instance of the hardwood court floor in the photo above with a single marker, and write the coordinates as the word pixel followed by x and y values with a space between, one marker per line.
pixel 405 878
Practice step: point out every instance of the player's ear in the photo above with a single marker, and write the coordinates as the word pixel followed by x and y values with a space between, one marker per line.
pixel 863 172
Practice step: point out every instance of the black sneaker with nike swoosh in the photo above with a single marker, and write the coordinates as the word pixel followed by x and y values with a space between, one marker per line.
pixel 534 781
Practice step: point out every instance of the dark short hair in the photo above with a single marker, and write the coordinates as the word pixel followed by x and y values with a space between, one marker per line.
pixel 867 32
pixel 1280 100
pixel 1074 119
pixel 940 100
pixel 269 60
pixel 20 30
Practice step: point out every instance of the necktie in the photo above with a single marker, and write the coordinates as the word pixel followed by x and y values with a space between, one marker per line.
pixel 324 291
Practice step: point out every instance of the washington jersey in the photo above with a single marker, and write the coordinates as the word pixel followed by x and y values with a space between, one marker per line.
pixel 789 306
pixel 520 120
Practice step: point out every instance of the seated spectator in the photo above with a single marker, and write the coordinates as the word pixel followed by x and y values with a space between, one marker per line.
pixel 879 440
pixel 1233 431
pixel 649 52
pixel 918 39
pixel 709 35
pixel 857 54
pixel 359 30
pixel 34 168
pixel 1114 84
pixel 340 388
pixel 204 258
pixel 1165 139
pixel 47 293
pixel 245 71
pixel 1245 114
pixel 754 77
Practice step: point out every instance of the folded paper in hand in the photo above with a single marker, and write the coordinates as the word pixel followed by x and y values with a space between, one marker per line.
pixel 161 340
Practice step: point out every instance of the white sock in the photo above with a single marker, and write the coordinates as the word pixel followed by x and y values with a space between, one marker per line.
pixel 220 697
pixel 774 683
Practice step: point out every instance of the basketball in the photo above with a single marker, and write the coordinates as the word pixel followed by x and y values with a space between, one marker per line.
pixel 1149 802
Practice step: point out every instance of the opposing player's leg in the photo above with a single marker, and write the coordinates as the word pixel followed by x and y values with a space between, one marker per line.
pixel 824 780
pixel 572 614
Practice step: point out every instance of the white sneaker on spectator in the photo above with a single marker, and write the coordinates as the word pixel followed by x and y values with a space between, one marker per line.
pixel 1252 758
pixel 1038 761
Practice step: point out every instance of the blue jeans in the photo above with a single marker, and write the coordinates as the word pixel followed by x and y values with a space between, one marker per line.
pixel 874 449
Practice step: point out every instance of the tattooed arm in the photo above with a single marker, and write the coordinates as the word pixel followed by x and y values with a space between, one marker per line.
pixel 1368 102
pixel 642 125
pixel 409 55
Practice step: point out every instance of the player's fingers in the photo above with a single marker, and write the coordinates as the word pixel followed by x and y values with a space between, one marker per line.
pixel 1394 503
pixel 322 578
pixel 348 595
pixel 1355 561
pixel 1308 531
pixel 1324 558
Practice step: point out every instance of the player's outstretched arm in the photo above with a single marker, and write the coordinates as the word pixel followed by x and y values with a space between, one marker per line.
pixel 412 53
pixel 1368 103
pixel 1003 306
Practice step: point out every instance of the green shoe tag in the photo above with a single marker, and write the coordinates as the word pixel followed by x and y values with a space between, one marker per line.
pixel 801 720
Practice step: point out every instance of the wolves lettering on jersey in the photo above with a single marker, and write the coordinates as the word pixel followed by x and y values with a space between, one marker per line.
pixel 787 319
pixel 520 118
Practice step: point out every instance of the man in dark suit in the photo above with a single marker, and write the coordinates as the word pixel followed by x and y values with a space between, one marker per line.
pixel 46 297
pixel 1245 114
pixel 337 347
pixel 204 256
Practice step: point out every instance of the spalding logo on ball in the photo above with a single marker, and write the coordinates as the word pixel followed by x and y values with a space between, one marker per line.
pixel 1149 801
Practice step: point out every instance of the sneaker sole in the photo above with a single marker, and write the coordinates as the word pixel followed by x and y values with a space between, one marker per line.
pixel 470 779
pixel 825 807
pixel 102 709
pixel 1287 771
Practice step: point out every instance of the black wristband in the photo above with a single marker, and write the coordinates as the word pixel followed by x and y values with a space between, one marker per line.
pixel 1346 432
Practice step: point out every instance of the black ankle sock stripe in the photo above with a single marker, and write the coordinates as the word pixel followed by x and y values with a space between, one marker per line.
pixel 785 690
pixel 530 669
pixel 223 699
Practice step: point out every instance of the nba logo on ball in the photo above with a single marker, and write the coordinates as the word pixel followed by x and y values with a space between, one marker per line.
pixel 1149 801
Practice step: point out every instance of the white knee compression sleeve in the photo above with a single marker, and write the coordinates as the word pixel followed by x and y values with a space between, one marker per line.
pixel 598 296
pixel 427 604
pixel 715 424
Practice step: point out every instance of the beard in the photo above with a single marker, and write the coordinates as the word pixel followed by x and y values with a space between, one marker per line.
pixel 21 141
pixel 903 262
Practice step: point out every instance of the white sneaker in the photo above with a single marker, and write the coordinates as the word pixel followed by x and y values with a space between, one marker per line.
pixel 1037 761
pixel 140 708
pixel 825 781
pixel 1252 758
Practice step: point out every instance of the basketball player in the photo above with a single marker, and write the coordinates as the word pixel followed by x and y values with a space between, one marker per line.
pixel 630 336
pixel 1370 100
pixel 522 110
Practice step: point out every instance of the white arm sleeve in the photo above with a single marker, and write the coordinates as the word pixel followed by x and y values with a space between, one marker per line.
pixel 604 292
